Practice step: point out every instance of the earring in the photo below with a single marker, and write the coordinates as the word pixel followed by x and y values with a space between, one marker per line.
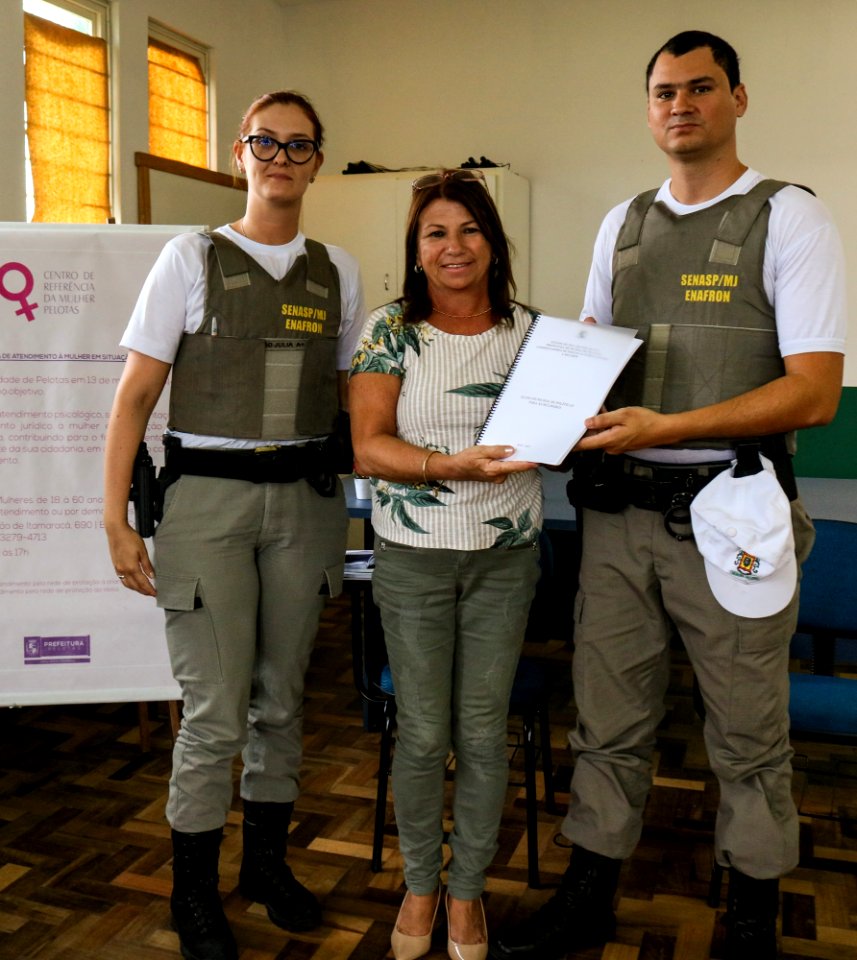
pixel 312 179
pixel 417 268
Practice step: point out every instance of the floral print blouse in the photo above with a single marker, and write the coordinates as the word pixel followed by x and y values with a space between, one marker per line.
pixel 448 383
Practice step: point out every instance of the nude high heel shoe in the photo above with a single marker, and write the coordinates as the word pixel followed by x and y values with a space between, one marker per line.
pixel 466 951
pixel 407 946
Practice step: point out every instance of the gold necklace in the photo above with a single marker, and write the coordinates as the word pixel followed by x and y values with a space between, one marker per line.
pixel 241 228
pixel 466 316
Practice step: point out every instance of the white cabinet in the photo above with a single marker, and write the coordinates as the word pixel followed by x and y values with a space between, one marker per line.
pixel 366 213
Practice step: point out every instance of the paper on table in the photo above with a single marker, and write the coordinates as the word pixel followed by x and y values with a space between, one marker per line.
pixel 359 565
pixel 561 375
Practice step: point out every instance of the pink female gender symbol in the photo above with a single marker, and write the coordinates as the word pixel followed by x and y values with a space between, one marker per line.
pixel 20 295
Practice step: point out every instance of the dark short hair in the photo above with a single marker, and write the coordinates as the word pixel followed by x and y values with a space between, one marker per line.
pixel 475 198
pixel 287 98
pixel 724 54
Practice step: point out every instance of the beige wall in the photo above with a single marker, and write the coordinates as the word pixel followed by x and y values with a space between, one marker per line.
pixel 553 87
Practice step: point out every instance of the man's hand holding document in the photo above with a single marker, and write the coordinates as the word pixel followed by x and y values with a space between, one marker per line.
pixel 561 375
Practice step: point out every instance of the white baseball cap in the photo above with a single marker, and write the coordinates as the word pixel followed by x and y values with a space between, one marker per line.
pixel 743 529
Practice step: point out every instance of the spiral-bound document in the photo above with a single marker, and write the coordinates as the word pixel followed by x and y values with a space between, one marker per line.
pixel 561 375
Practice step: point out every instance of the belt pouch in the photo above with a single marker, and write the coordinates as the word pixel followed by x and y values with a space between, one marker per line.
pixel 597 482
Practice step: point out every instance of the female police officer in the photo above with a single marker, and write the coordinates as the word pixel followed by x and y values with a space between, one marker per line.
pixel 255 321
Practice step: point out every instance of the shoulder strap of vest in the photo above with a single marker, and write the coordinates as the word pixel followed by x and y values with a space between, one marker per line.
pixel 731 234
pixel 231 260
pixel 736 222
pixel 629 233
pixel 318 268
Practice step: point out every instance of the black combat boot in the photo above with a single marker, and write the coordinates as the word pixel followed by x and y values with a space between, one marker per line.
pixel 751 917
pixel 198 915
pixel 579 915
pixel 265 877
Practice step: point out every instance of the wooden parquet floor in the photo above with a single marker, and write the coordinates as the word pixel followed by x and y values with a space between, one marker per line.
pixel 85 853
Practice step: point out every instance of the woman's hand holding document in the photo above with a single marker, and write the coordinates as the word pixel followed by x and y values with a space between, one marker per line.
pixel 560 377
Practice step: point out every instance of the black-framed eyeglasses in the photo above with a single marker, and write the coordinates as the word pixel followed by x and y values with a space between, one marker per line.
pixel 265 148
pixel 433 179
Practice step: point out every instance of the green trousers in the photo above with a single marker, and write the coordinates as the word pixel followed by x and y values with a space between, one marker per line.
pixel 242 570
pixel 454 622
pixel 639 586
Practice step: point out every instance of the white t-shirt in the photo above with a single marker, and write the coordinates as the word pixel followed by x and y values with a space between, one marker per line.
pixel 172 301
pixel 803 274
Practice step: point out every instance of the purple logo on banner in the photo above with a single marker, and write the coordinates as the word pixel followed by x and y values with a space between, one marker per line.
pixel 56 650
pixel 26 283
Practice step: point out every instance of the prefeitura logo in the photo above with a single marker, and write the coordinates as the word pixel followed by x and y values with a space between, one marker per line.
pixel 55 650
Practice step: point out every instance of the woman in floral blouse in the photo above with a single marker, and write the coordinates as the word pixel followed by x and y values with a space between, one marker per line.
pixel 456 542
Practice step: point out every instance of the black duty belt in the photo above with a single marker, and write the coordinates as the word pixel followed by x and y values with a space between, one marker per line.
pixel 610 483
pixel 652 486
pixel 669 489
pixel 285 464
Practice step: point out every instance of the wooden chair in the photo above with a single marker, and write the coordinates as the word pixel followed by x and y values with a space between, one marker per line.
pixel 174 710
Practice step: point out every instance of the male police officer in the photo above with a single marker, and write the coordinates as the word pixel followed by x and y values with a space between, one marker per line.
pixel 736 285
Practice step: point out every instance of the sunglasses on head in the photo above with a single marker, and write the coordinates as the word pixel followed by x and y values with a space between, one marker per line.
pixel 460 176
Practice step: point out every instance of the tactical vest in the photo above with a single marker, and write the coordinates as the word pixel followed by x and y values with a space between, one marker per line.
pixel 263 363
pixel 692 287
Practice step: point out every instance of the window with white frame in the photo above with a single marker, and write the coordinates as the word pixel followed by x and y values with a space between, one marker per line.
pixel 178 97
pixel 67 92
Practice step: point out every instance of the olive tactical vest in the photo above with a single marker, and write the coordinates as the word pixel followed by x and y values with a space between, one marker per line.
pixel 263 363
pixel 692 287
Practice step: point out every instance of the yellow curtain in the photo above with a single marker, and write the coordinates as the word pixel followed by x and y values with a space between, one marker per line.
pixel 68 125
pixel 178 115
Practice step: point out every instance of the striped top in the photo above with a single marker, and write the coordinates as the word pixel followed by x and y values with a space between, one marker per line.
pixel 449 382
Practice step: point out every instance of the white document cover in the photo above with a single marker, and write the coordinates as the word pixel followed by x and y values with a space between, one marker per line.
pixel 561 375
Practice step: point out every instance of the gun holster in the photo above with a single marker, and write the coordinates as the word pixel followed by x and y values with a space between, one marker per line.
pixel 597 482
pixel 145 493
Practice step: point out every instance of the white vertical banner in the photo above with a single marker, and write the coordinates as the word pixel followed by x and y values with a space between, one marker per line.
pixel 70 632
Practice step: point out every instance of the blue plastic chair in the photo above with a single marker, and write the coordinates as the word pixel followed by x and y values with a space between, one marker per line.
pixel 823 703
pixel 828 597
pixel 823 708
